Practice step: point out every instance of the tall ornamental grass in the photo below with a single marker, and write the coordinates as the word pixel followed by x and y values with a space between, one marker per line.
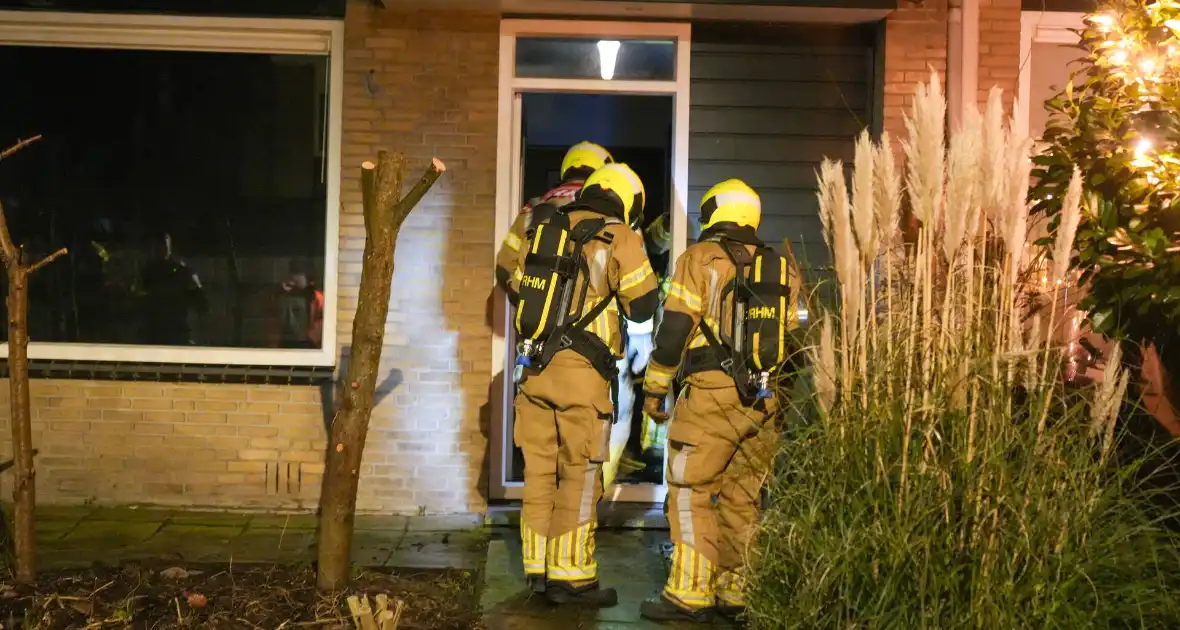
pixel 943 477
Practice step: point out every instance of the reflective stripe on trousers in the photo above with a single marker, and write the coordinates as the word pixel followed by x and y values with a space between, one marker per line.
pixel 690 582
pixel 533 548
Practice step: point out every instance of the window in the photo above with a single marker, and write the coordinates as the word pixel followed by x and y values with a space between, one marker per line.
pixel 191 166
pixel 580 58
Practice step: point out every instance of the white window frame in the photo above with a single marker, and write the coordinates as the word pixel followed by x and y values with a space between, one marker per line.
pixel 1039 27
pixel 508 157
pixel 241 35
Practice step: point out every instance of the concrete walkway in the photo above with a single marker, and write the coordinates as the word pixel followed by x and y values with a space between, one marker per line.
pixel 631 560
pixel 71 537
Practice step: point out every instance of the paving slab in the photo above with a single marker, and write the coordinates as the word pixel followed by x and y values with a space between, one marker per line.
pixel 109 534
pixel 182 535
pixel 373 522
pixel 211 518
pixel 54 512
pixel 285 521
pixel 130 515
pixel 431 550
pixel 445 522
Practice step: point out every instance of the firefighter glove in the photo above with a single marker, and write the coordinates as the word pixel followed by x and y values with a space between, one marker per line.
pixel 653 407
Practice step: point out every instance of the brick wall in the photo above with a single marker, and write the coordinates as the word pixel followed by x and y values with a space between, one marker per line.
pixel 239 446
pixel 437 74
pixel 174 444
pixel 915 43
pixel 999 48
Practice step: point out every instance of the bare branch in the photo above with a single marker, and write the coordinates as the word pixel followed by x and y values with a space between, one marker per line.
pixel 18 146
pixel 407 203
pixel 48 259
pixel 8 251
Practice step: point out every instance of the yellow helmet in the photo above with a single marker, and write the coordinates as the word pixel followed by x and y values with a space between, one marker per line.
pixel 586 157
pixel 621 190
pixel 731 201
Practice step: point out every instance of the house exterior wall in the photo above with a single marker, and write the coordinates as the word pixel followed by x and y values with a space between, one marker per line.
pixel 239 446
pixel 916 42
pixel 424 83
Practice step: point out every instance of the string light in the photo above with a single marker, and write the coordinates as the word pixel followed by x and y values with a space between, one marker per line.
pixel 1102 20
pixel 1142 160
pixel 1141 48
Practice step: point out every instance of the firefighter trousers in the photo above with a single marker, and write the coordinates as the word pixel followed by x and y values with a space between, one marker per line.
pixel 563 423
pixel 720 453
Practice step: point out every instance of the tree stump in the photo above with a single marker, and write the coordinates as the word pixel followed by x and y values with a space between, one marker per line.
pixel 384 212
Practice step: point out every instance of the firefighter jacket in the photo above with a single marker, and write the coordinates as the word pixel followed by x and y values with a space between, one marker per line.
pixel 507 257
pixel 694 294
pixel 620 268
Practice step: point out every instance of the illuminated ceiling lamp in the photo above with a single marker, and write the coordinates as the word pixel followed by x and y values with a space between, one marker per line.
pixel 608 52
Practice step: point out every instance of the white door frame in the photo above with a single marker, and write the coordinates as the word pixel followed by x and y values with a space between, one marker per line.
pixel 1039 27
pixel 508 200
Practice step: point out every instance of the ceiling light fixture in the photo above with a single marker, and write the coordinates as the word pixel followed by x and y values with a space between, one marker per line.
pixel 608 52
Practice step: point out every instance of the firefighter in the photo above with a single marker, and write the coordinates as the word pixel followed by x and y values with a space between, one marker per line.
pixel 635 437
pixel 721 443
pixel 170 292
pixel 579 162
pixel 564 409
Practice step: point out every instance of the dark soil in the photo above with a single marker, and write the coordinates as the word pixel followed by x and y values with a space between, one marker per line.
pixel 247 597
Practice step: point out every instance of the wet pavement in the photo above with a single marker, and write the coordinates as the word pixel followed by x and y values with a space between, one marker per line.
pixel 631 561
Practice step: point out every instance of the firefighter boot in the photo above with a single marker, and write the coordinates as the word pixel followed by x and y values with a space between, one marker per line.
pixel 735 614
pixel 591 594
pixel 664 609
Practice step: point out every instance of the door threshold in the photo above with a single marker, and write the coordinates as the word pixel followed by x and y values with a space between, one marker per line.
pixel 610 515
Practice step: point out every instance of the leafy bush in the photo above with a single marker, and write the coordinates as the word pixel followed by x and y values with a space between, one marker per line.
pixel 944 479
pixel 1117 121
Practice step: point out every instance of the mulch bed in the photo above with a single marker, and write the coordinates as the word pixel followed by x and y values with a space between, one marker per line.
pixel 247 597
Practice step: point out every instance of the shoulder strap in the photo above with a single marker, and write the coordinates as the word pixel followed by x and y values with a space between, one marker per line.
pixel 582 234
pixel 592 314
pixel 723 354
pixel 737 252
pixel 585 231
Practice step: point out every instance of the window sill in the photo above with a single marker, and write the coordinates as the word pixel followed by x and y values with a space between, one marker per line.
pixel 175 372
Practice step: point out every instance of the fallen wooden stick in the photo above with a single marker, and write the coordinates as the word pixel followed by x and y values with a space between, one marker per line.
pixel 366 617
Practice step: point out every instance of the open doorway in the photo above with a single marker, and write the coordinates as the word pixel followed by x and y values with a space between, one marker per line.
pixel 638 131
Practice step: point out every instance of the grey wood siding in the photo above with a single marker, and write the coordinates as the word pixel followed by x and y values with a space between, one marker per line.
pixel 768 104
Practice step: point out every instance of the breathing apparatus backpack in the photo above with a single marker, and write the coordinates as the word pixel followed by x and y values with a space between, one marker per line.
pixel 549 279
pixel 760 296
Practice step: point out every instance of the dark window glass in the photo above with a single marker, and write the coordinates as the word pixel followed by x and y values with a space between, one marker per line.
pixel 568 58
pixel 189 187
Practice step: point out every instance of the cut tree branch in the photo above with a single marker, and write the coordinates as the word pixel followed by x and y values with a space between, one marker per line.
pixel 45 261
pixel 20 144
pixel 433 172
